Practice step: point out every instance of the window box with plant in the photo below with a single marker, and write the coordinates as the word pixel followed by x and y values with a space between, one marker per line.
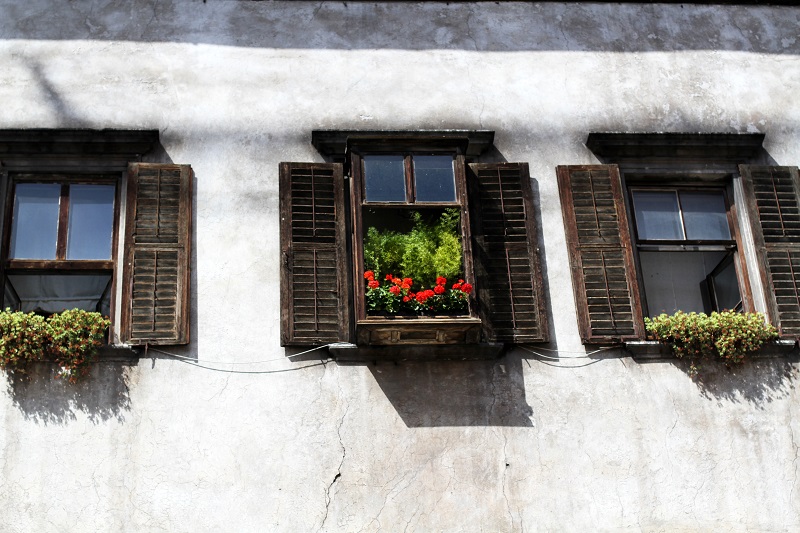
pixel 438 251
pixel 726 336
pixel 69 339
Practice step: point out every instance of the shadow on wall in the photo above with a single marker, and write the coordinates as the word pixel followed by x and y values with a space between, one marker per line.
pixel 456 393
pixel 479 26
pixel 43 398
pixel 757 381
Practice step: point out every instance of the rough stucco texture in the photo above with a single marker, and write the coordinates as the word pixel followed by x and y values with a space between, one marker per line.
pixel 521 443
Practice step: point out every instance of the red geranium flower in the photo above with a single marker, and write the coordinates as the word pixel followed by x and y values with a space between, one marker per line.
pixel 461 281
pixel 456 286
pixel 422 296
pixel 439 289
pixel 369 274
pixel 394 290
pixel 466 288
pixel 406 298
pixel 441 281
pixel 388 277
pixel 373 284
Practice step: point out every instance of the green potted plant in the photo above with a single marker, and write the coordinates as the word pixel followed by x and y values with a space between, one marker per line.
pixel 69 339
pixel 727 336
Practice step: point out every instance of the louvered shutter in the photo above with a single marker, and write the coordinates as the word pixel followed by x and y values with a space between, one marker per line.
pixel 315 306
pixel 601 259
pixel 157 254
pixel 505 253
pixel 771 198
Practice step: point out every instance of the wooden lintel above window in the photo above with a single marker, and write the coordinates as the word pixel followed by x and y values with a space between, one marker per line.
pixel 64 149
pixel 632 149
pixel 335 143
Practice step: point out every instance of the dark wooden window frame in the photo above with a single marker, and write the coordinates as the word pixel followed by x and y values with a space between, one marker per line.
pixel 81 156
pixel 409 330
pixel 599 222
pixel 499 239
pixel 61 265
pixel 723 183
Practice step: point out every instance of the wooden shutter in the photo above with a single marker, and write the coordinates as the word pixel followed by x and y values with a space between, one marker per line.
pixel 505 253
pixel 601 259
pixel 771 199
pixel 156 271
pixel 315 295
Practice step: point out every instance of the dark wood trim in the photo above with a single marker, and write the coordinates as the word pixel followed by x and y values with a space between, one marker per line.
pixel 671 149
pixel 84 151
pixel 335 248
pixel 63 223
pixel 336 143
pixel 356 232
pixel 36 264
pixel 575 249
pixel 786 244
pixel 182 249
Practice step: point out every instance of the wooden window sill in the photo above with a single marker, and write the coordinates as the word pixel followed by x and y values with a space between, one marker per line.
pixel 654 350
pixel 353 353
pixel 401 330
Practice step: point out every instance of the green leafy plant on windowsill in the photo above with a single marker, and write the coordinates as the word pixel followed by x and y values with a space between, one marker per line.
pixel 425 258
pixel 727 336
pixel 69 339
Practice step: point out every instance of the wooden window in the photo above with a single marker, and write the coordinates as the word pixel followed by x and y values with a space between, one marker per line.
pixel 61 240
pixel 321 236
pixel 83 227
pixel 61 232
pixel 684 236
pixel 687 250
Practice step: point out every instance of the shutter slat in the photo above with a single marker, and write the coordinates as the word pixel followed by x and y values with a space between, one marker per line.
pixel 505 249
pixel 314 273
pixel 157 267
pixel 772 198
pixel 598 240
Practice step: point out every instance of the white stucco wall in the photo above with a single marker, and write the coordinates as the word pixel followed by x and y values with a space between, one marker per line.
pixel 521 443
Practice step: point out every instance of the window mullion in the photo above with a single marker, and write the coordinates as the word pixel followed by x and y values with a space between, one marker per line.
pixel 411 190
pixel 63 225
pixel 680 214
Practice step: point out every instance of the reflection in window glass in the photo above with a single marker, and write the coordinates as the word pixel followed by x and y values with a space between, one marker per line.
pixel 53 293
pixel 657 215
pixel 385 178
pixel 726 287
pixel 678 281
pixel 34 229
pixel 434 178
pixel 91 221
pixel 704 215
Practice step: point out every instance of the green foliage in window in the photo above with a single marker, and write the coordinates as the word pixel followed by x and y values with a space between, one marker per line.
pixel 74 338
pixel 23 339
pixel 429 250
pixel 69 339
pixel 728 335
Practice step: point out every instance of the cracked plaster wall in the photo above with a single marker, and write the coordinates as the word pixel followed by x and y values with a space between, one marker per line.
pixel 521 443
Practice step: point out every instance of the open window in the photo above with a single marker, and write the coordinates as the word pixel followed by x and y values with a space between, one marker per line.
pixel 686 248
pixel 85 226
pixel 665 228
pixel 390 183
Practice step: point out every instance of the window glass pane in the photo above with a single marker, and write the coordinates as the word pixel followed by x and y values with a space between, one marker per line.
pixel 52 293
pixel 704 215
pixel 676 281
pixel 434 178
pixel 726 287
pixel 91 221
pixel 657 215
pixel 385 178
pixel 34 229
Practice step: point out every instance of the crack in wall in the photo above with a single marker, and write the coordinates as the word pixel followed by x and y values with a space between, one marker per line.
pixel 338 475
